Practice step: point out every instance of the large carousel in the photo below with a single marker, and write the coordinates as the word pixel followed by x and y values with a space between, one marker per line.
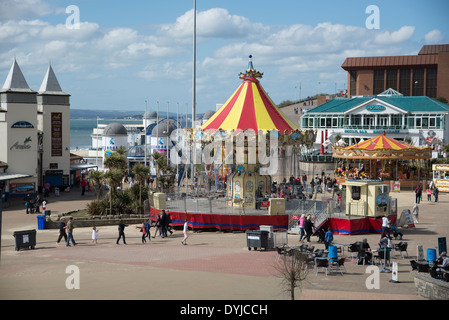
pixel 250 117
pixel 244 140
pixel 380 157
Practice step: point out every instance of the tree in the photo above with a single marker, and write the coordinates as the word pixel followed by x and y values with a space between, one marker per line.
pixel 97 179
pixel 165 175
pixel 293 270
pixel 114 178
pixel 141 172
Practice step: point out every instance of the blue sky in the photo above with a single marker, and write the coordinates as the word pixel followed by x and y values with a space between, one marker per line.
pixel 126 52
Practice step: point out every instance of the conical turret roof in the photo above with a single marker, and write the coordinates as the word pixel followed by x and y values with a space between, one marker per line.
pixel 250 107
pixel 15 81
pixel 50 84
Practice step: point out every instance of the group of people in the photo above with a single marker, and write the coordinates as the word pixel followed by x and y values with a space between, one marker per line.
pixel 162 226
pixel 429 192
pixel 33 205
pixel 305 227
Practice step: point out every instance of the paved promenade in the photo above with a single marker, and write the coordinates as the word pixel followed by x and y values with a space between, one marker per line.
pixel 213 266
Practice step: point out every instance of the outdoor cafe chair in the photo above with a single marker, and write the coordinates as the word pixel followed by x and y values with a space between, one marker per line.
pixel 401 247
pixel 338 265
pixel 322 263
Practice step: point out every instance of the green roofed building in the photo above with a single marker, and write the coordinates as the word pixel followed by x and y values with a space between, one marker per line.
pixel 420 119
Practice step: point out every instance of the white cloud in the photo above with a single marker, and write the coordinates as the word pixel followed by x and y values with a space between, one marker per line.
pixel 433 37
pixel 401 35
pixel 23 9
pixel 212 23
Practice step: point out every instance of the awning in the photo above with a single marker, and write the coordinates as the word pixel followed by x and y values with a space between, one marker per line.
pixel 13 176
pixel 82 166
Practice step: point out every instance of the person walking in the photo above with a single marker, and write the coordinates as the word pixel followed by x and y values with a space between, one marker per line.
pixel 144 232
pixel 69 229
pixel 83 186
pixel 328 238
pixel 46 190
pixel 418 194
pixel 301 227
pixel 415 212
pixel 94 235
pixel 185 230
pixel 435 194
pixel 62 232
pixel 158 226
pixel 121 232
pixel 147 229
pixel 308 227
pixel 164 223
pixel 37 204
pixel 386 226
pixel 28 203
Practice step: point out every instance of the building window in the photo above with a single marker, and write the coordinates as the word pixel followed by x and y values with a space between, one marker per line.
pixel 392 79
pixel 418 82
pixel 378 81
pixel 353 82
pixel 431 82
pixel 396 120
pixel 356 120
pixel 404 82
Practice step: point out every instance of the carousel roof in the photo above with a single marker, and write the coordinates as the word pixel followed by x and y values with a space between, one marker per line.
pixel 382 147
pixel 250 107
pixel 381 142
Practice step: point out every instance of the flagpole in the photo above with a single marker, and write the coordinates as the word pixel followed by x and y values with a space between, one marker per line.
pixel 194 79
pixel 146 126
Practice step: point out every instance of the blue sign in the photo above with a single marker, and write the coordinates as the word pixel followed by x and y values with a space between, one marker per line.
pixel 375 108
pixel 22 125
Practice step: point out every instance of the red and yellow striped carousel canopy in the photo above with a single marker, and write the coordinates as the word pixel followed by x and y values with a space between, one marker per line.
pixel 250 108
pixel 382 147
pixel 381 142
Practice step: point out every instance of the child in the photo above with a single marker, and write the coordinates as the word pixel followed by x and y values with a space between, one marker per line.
pixel 94 235
pixel 185 231
pixel 44 206
pixel 143 230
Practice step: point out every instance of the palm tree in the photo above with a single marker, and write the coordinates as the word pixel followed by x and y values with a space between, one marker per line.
pixel 164 172
pixel 97 178
pixel 141 172
pixel 114 178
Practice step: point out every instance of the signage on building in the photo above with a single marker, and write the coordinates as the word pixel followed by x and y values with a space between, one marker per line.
pixel 22 125
pixel 372 131
pixel 56 134
pixel 375 108
pixel 24 146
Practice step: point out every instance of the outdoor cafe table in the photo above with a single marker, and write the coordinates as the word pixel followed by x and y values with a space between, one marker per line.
pixel 342 246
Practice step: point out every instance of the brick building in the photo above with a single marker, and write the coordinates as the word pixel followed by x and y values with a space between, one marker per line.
pixel 424 74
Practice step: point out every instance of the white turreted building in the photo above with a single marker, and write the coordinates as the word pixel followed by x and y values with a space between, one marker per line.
pixel 35 131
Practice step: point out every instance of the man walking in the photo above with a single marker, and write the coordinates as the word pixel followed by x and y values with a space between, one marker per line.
pixel 121 231
pixel 62 232
pixel 69 229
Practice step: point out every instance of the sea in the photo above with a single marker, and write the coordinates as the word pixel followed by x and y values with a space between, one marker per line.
pixel 81 131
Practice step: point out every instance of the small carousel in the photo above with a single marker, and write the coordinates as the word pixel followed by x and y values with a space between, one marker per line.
pixel 377 158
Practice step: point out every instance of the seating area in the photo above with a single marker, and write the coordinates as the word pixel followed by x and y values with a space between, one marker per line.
pixel 318 259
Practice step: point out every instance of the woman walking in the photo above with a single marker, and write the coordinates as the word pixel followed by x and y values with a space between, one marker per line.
pixel 185 231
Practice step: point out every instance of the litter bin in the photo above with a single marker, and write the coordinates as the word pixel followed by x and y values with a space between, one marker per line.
pixel 25 239
pixel 41 222
pixel 257 239
pixel 432 255
pixel 333 253
pixel 47 212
